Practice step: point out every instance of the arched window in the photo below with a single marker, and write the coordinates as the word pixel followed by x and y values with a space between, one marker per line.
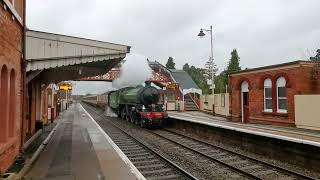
pixel 267 95
pixel 244 91
pixel 281 95
pixel 12 103
pixel 4 104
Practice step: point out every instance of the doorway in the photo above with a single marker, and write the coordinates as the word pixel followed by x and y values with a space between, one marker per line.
pixel 244 101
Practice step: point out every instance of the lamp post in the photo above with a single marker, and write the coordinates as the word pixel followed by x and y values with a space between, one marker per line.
pixel 210 62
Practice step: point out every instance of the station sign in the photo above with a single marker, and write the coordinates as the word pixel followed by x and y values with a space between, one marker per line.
pixel 65 87
pixel 173 86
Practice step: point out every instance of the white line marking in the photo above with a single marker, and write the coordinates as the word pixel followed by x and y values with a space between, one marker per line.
pixel 286 138
pixel 133 169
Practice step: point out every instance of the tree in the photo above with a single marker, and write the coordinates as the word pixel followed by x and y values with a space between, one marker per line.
pixel 234 63
pixel 315 73
pixel 186 67
pixel 316 57
pixel 221 81
pixel 170 64
pixel 233 66
pixel 198 76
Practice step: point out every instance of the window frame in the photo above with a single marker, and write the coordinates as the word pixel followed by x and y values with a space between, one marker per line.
pixel 284 83
pixel 264 95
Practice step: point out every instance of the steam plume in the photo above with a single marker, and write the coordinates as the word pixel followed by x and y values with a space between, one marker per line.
pixel 133 72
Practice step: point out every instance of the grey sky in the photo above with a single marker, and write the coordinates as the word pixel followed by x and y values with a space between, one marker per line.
pixel 264 32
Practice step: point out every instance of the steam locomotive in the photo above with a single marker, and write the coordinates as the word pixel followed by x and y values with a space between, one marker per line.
pixel 138 105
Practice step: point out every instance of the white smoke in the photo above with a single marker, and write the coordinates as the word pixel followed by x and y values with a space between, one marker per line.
pixel 133 72
pixel 109 112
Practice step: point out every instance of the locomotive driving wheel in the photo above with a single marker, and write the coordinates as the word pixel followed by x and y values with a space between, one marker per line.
pixel 123 112
pixel 135 119
pixel 142 123
pixel 131 117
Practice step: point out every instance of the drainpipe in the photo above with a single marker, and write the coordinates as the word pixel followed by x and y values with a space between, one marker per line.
pixel 230 98
pixel 23 77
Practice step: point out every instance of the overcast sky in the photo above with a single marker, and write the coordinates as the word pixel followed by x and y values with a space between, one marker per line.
pixel 264 32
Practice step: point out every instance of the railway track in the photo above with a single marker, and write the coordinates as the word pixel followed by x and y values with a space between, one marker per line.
pixel 150 163
pixel 236 163
pixel 250 166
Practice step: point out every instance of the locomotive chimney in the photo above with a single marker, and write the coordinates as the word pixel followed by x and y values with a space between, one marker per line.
pixel 148 83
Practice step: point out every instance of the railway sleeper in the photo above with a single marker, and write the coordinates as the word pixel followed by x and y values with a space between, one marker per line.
pixel 153 161
pixel 150 166
pixel 138 155
pixel 142 158
pixel 158 172
pixel 171 176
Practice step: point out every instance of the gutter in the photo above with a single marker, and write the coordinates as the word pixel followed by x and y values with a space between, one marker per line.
pixel 23 77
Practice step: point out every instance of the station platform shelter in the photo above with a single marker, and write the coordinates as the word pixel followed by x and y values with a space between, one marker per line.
pixel 53 58
pixel 48 59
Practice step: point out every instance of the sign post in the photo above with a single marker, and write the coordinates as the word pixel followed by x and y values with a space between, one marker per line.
pixel 66 88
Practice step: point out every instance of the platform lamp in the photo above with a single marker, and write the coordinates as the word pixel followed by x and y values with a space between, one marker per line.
pixel 209 63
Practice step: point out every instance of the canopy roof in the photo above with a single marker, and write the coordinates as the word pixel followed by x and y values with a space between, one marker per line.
pixel 55 57
pixel 184 79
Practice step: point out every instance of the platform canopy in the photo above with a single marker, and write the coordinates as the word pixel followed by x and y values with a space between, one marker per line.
pixel 54 57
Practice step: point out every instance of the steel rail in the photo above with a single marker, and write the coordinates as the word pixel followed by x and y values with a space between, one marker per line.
pixel 209 157
pixel 184 172
pixel 285 170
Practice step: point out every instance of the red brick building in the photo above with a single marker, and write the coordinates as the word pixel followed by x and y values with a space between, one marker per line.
pixel 11 76
pixel 266 94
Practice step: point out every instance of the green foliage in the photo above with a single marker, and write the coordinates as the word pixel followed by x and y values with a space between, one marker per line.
pixel 234 63
pixel 221 81
pixel 170 63
pixel 186 67
pixel 233 66
pixel 198 76
pixel 316 57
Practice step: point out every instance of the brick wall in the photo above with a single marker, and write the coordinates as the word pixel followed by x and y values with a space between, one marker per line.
pixel 298 81
pixel 11 33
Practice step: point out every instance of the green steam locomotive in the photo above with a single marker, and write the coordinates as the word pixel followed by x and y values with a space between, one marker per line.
pixel 139 105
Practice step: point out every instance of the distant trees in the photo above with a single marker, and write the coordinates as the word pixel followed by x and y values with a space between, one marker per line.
pixel 170 64
pixel 234 62
pixel 316 57
pixel 221 82
pixel 186 67
pixel 233 66
pixel 198 76
pixel 315 73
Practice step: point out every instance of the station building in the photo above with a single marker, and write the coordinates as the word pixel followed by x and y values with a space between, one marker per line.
pixel 267 94
pixel 11 75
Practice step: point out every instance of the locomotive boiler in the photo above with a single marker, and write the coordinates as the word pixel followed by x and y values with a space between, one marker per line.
pixel 139 105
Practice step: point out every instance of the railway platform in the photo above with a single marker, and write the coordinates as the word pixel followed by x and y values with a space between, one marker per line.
pixel 291 134
pixel 80 149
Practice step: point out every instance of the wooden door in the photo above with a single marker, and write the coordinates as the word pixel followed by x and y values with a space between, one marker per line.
pixel 245 105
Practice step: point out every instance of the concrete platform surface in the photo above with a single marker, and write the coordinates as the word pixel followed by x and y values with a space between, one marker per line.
pixel 79 149
pixel 298 135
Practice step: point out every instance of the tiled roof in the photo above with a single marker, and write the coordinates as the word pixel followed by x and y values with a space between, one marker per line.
pixel 184 79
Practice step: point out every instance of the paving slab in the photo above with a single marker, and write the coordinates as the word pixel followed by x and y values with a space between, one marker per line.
pixel 80 150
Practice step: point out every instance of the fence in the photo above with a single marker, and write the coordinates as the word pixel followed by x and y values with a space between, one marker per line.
pixel 220 102
pixel 307 111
